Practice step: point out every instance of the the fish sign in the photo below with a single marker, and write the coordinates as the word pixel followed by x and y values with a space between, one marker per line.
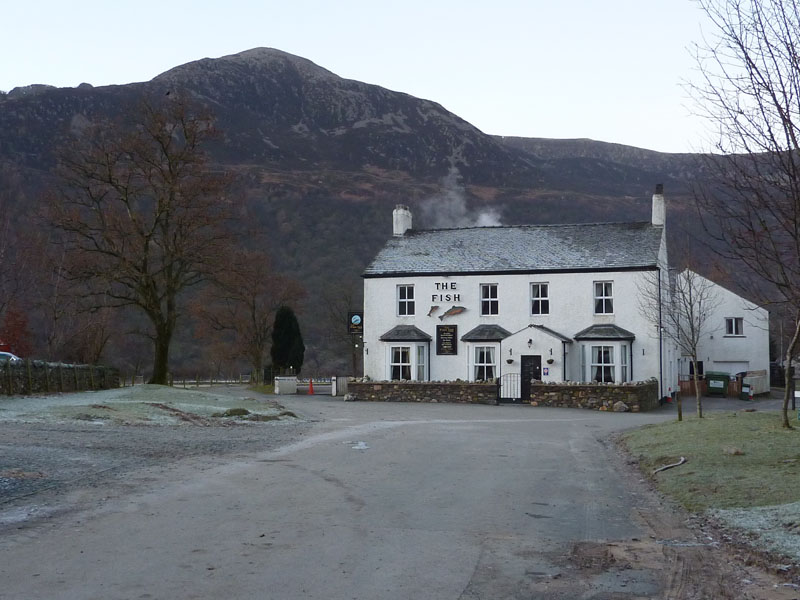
pixel 453 310
pixel 433 310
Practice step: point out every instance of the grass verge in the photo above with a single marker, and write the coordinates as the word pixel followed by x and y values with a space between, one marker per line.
pixel 734 460
pixel 263 389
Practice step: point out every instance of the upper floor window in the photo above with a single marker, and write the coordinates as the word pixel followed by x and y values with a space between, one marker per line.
pixel 734 326
pixel 540 299
pixel 405 300
pixel 489 303
pixel 603 298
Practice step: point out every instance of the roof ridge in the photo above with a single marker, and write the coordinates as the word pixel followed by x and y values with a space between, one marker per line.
pixel 529 225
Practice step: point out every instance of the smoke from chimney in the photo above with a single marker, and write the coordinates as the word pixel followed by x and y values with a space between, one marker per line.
pixel 448 209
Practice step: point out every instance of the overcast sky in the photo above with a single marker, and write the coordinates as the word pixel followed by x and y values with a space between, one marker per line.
pixel 610 70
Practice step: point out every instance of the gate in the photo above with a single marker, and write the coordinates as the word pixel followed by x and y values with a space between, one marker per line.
pixel 509 390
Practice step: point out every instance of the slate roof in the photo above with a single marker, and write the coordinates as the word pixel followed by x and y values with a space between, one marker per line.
pixel 524 248
pixel 604 332
pixel 552 332
pixel 405 333
pixel 485 333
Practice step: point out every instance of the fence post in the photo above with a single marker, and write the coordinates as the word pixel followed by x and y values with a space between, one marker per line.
pixel 10 379
pixel 75 373
pixel 91 377
pixel 60 379
pixel 30 376
pixel 47 376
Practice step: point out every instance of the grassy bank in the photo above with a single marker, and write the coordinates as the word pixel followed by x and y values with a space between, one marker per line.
pixel 734 460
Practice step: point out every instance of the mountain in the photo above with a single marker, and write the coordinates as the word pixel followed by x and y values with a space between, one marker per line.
pixel 322 160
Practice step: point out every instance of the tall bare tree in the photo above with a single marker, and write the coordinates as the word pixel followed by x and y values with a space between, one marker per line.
pixel 684 316
pixel 142 213
pixel 751 93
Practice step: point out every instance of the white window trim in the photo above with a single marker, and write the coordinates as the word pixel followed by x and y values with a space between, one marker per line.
pixel 407 302
pixel 474 364
pixel 622 364
pixel 733 321
pixel 391 364
pixel 490 299
pixel 604 297
pixel 540 299
pixel 414 349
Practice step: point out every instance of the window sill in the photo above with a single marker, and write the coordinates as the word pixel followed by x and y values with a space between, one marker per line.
pixel 731 335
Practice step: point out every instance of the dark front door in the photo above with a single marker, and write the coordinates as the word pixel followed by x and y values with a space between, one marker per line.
pixel 530 369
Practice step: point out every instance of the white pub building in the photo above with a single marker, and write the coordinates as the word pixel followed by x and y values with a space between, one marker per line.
pixel 554 303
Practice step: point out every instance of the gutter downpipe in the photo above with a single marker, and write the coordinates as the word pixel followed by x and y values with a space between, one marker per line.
pixel 660 342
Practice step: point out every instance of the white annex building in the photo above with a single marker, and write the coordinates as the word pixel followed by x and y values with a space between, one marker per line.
pixel 735 338
pixel 548 302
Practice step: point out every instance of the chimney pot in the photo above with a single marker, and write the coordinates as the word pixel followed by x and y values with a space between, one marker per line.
pixel 401 220
pixel 659 214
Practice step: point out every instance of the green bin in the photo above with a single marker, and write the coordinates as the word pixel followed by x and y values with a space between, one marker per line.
pixel 717 383
pixel 745 393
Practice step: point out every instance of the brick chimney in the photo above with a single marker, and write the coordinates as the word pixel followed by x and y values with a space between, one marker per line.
pixel 659 207
pixel 401 220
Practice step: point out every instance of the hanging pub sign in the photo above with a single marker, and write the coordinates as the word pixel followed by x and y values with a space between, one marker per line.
pixel 355 323
pixel 447 340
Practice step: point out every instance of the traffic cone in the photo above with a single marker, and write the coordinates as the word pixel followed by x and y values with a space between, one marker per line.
pixel 310 386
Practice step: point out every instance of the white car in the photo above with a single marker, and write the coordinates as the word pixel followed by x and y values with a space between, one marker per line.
pixel 8 357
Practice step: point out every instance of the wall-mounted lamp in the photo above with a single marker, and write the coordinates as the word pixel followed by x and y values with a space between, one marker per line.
pixel 510 351
pixel 530 343
pixel 551 352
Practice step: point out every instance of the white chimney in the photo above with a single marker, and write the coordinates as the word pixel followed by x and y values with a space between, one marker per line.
pixel 659 207
pixel 401 220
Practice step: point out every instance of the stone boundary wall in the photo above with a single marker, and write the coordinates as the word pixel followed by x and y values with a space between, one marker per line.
pixel 40 377
pixel 638 396
pixel 425 391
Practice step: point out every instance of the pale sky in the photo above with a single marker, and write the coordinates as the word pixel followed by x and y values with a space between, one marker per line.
pixel 609 70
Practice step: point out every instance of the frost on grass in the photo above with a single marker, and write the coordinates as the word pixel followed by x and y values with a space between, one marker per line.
pixel 777 528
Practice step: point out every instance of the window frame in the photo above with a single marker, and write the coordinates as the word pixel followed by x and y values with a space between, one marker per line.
pixel 607 366
pixel 397 362
pixel 490 305
pixel 542 300
pixel 605 299
pixel 734 326
pixel 421 363
pixel 486 367
pixel 406 305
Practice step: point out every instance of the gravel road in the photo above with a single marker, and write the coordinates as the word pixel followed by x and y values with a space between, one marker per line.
pixel 58 453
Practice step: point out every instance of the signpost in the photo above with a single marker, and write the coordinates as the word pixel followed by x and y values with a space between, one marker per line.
pixel 355 323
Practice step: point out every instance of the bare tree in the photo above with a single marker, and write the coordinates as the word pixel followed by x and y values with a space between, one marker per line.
pixel 339 301
pixel 142 214
pixel 751 93
pixel 685 316
pixel 243 301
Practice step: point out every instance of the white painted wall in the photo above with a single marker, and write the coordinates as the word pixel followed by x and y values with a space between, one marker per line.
pixel 571 310
pixel 731 353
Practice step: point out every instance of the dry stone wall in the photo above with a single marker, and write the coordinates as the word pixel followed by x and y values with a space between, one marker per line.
pixel 635 396
pixel 40 377
pixel 430 391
